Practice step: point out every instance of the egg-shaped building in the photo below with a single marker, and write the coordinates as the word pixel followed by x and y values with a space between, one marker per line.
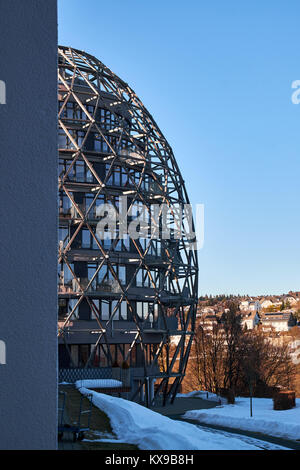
pixel 127 304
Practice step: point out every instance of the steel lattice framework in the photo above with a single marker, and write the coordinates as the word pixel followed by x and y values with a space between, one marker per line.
pixel 128 300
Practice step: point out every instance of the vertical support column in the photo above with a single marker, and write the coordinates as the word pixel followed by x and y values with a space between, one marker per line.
pixel 142 394
pixel 28 230
pixel 151 391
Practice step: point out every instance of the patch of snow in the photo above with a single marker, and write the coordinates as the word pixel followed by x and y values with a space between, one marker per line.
pixel 135 424
pixel 277 423
pixel 204 395
pixel 98 383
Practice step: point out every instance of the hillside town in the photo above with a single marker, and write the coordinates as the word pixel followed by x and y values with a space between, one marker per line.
pixel 273 318
pixel 277 313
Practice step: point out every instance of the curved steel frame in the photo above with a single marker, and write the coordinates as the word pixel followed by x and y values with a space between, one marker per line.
pixel 85 81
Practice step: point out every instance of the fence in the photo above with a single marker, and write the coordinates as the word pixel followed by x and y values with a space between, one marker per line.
pixel 71 375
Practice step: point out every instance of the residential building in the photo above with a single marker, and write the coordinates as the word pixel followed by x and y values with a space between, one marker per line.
pixel 280 321
pixel 121 300
pixel 250 320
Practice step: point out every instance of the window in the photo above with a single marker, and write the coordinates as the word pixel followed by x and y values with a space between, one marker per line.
pixel 124 177
pixel 105 146
pixel 62 139
pixel 86 238
pixel 72 303
pixel 67 273
pixel 91 109
pixel 102 273
pixel 88 201
pixel 80 137
pixel 139 278
pixel 70 170
pixel 143 243
pixel 115 309
pixel 63 235
pixel 96 303
pixel 110 178
pixel 117 176
pixel 145 309
pixel 102 115
pixel 65 204
pixel 91 272
pixel 79 171
pixel 69 110
pixel 97 143
pixel 107 242
pixel 104 310
pixel 143 278
pixel 99 201
pixel 123 311
pixel 122 274
pixel 77 115
pixel 125 243
pixel 89 175
pixel 142 309
pixel 139 309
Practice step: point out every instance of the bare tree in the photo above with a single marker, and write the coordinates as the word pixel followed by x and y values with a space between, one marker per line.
pixel 232 344
pixel 266 363
pixel 207 357
pixel 248 362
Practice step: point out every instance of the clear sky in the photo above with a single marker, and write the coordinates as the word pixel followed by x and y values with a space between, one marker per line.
pixel 216 76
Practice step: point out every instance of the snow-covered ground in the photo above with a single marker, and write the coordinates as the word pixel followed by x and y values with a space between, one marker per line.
pixel 135 424
pixel 205 395
pixel 284 424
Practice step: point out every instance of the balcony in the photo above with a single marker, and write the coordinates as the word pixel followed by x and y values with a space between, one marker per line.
pixel 116 331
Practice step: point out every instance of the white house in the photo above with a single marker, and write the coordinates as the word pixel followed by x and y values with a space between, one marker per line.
pixel 280 321
pixel 291 300
pixel 250 305
pixel 244 305
pixel 254 306
pixel 295 351
pixel 250 320
pixel 266 303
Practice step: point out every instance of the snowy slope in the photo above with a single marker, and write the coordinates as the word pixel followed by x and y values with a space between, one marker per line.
pixel 135 424
pixel 285 424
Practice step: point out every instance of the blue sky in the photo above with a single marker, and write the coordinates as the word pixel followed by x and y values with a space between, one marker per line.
pixel 216 76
